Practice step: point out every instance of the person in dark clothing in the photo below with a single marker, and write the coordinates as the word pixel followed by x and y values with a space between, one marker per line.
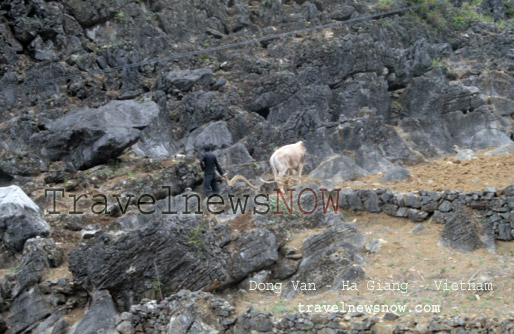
pixel 209 164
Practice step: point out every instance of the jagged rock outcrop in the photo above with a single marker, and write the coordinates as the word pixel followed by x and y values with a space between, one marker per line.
pixel 176 252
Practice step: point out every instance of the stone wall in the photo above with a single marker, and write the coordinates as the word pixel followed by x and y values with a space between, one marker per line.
pixel 496 206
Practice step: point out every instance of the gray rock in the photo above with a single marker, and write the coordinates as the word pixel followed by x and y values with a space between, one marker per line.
pixel 237 161
pixel 54 324
pixel 199 108
pixel 20 218
pixel 370 200
pixel 88 137
pixel 215 134
pixel 391 316
pixel 373 245
pixel 255 250
pixel 411 201
pixel 402 212
pixel 349 199
pixel 504 232
pixel 193 312
pixel 464 230
pixel 327 255
pixel 509 191
pixel 445 206
pixel 184 80
pixel 494 8
pixel 100 316
pixel 396 173
pixel 465 154
pixel 156 140
pixel 417 215
pixel 27 309
pixel 38 255
pixel 177 249
pixel 338 168
pixel 390 209
pixel 260 277
pixel 254 321
pixel 417 229
pixel 285 267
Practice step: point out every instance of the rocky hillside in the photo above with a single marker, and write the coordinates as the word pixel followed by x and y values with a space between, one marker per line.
pixel 103 102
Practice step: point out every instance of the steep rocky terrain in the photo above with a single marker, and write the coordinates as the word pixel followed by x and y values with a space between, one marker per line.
pixel 106 105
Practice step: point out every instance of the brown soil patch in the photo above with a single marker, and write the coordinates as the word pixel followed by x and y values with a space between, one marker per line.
pixel 448 173
pixel 242 222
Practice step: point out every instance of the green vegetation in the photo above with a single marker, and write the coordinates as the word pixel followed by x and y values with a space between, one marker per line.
pixel 203 57
pixel 436 63
pixel 195 238
pixel 384 5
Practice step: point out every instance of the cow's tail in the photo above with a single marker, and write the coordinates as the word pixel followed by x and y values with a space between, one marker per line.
pixel 273 168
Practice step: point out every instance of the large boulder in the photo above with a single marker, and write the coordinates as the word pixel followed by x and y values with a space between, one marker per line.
pixel 88 137
pixel 329 257
pixel 465 230
pixel 215 134
pixel 175 251
pixel 20 219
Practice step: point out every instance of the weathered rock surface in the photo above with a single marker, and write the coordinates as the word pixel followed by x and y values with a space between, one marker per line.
pixel 329 257
pixel 464 230
pixel 178 252
pixel 20 219
pixel 255 250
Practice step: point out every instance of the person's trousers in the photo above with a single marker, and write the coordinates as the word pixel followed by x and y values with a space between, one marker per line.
pixel 210 184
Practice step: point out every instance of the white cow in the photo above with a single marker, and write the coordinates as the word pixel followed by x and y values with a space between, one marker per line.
pixel 287 159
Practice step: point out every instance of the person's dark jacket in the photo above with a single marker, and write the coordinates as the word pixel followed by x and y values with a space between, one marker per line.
pixel 208 162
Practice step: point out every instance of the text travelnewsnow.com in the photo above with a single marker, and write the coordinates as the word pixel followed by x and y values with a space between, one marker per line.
pixel 368 308
pixel 276 203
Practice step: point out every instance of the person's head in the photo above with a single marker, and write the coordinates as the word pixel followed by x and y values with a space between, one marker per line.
pixel 207 148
